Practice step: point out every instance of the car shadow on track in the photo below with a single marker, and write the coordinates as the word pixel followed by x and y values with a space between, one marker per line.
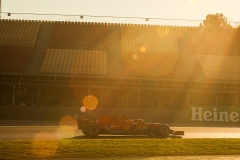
pixel 123 137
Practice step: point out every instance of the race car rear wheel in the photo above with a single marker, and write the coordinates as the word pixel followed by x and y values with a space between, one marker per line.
pixel 164 131
pixel 93 131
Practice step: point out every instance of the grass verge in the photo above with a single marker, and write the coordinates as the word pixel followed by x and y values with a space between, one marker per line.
pixel 101 148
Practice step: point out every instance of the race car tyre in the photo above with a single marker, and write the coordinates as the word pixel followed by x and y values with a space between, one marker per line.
pixel 93 131
pixel 164 131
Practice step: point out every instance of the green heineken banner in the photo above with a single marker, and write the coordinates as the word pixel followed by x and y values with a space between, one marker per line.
pixel 213 114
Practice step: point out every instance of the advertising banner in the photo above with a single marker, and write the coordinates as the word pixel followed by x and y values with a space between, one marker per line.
pixel 214 114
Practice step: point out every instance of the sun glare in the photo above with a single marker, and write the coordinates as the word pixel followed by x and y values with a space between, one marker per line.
pixel 192 1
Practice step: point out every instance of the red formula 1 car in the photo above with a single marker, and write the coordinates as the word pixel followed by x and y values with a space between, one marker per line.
pixel 122 126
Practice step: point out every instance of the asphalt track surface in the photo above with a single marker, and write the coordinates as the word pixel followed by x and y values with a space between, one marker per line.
pixel 71 132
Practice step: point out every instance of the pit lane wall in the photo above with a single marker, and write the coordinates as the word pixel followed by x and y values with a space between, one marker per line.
pixel 202 115
pixel 55 113
pixel 214 114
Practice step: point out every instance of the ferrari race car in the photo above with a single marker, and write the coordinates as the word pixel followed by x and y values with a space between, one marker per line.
pixel 122 126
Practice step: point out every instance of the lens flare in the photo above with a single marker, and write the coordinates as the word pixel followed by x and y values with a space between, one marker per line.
pixel 90 102
pixel 143 49
pixel 83 109
pixel 162 32
pixel 45 136
pixel 67 127
pixel 44 149
pixel 134 57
